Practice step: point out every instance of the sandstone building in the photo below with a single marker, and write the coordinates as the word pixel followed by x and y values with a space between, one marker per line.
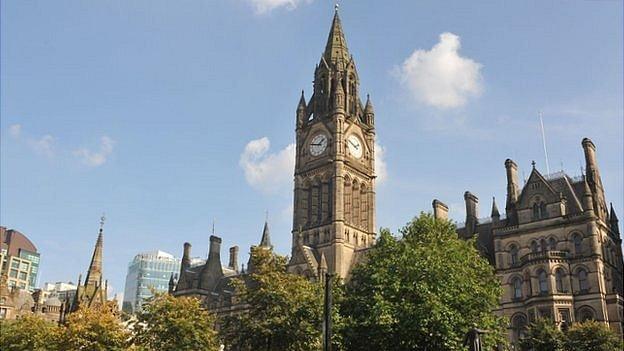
pixel 558 249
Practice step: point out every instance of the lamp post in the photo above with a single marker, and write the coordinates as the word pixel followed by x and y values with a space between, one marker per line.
pixel 327 320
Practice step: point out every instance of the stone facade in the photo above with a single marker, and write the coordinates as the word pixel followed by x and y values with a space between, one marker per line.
pixel 558 250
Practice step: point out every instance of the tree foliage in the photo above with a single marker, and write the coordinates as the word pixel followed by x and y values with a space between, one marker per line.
pixel 168 323
pixel 94 329
pixel 542 335
pixel 284 310
pixel 592 336
pixel 28 333
pixel 422 291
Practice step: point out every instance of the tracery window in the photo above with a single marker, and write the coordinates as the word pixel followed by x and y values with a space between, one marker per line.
pixel 552 244
pixel 582 280
pixel 559 280
pixel 543 282
pixel 513 251
pixel 516 285
pixel 578 244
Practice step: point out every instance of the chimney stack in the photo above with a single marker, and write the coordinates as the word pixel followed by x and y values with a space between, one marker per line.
pixel 234 258
pixel 472 212
pixel 440 210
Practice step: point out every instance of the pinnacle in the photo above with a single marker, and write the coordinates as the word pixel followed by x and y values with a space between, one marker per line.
pixel 336 47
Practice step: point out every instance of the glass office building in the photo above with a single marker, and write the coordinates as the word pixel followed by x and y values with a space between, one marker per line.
pixel 148 271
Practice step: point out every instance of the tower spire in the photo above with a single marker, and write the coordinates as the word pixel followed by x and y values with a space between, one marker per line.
pixel 336 47
pixel 94 275
pixel 266 235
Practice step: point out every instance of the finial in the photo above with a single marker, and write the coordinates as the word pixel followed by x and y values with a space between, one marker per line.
pixel 336 6
pixel 213 226
pixel 102 220
pixel 266 215
pixel 533 164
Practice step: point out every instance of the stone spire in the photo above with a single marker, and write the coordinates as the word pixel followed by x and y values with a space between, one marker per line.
pixel 94 275
pixel 613 220
pixel 336 47
pixel 495 212
pixel 266 236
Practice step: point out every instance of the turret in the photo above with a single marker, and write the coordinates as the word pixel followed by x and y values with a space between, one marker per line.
pixel 588 201
pixel 322 268
pixel 369 112
pixel 301 111
pixel 472 215
pixel 440 210
pixel 512 188
pixel 495 215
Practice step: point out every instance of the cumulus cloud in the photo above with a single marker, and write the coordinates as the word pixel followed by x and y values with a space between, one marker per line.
pixel 264 6
pixel 440 77
pixel 380 163
pixel 46 145
pixel 265 171
pixel 15 130
pixel 96 158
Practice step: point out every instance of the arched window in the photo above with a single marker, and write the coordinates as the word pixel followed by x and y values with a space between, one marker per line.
pixel 355 203
pixel 578 244
pixel 543 282
pixel 543 210
pixel 582 280
pixel 513 251
pixel 534 246
pixel 347 201
pixel 364 208
pixel 543 245
pixel 559 280
pixel 552 244
pixel 518 327
pixel 516 286
pixel 536 211
pixel 585 314
pixel 527 279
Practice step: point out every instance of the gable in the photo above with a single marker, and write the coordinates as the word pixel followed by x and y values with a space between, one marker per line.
pixel 536 186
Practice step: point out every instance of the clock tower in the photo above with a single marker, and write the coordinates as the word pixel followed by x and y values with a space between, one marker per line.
pixel 334 196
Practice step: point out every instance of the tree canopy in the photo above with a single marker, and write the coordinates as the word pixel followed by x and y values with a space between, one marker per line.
pixel 28 333
pixel 421 291
pixel 284 310
pixel 168 323
pixel 543 335
pixel 95 329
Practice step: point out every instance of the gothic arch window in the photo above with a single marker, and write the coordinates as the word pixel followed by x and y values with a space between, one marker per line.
pixel 577 240
pixel 535 211
pixel 582 280
pixel 539 209
pixel 552 244
pixel 534 246
pixel 543 245
pixel 347 200
pixel 518 327
pixel 355 215
pixel 559 276
pixel 513 252
pixel 516 288
pixel 543 210
pixel 542 277
pixel 324 201
pixel 585 313
pixel 364 207
pixel 304 205
pixel 527 279
pixel 315 201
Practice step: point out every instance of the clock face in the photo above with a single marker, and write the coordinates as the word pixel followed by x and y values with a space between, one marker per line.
pixel 318 144
pixel 355 146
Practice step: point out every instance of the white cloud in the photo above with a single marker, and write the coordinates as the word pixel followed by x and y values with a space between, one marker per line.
pixel 15 130
pixel 44 145
pixel 98 158
pixel 268 172
pixel 381 169
pixel 441 77
pixel 265 6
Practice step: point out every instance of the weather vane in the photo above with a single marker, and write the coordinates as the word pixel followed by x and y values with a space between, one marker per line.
pixel 336 6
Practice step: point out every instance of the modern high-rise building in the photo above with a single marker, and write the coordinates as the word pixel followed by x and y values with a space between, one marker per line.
pixel 19 259
pixel 147 273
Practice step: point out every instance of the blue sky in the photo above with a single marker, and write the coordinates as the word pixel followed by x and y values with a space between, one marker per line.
pixel 145 110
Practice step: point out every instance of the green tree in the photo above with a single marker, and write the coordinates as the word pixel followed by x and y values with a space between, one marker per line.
pixel 168 323
pixel 422 291
pixel 94 329
pixel 542 335
pixel 28 333
pixel 284 310
pixel 592 336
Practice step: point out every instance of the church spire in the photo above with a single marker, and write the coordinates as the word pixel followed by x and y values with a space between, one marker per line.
pixel 94 275
pixel 495 212
pixel 336 47
pixel 266 236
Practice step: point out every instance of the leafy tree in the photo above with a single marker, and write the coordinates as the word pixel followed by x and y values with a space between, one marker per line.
pixel 542 335
pixel 28 333
pixel 284 310
pixel 175 324
pixel 423 291
pixel 592 336
pixel 94 329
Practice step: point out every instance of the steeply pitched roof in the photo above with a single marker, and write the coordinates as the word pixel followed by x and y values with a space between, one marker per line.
pixel 336 47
